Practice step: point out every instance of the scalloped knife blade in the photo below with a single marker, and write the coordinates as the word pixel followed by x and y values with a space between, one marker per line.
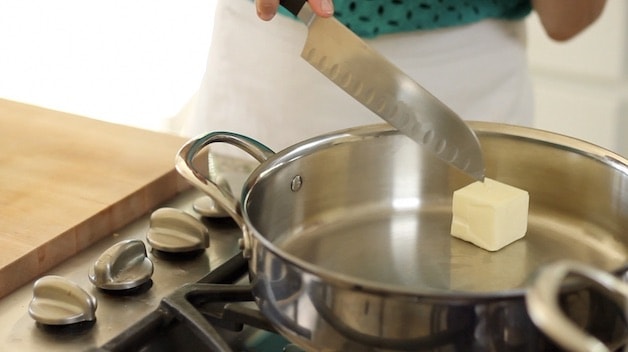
pixel 379 85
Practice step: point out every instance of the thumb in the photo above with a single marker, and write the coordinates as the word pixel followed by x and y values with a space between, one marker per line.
pixel 266 9
pixel 323 8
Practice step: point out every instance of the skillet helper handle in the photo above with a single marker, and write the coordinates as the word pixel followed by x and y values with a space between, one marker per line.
pixel 184 163
pixel 294 6
pixel 546 314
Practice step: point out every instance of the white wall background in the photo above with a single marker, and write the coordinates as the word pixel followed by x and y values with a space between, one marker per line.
pixel 134 62
pixel 581 86
pixel 139 62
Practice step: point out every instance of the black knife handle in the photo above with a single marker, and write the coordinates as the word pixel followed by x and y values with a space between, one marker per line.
pixel 294 6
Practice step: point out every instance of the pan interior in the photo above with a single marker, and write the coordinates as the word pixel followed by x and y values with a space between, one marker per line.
pixel 371 205
pixel 413 249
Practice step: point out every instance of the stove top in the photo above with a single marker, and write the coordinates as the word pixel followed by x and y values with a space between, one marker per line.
pixel 196 302
pixel 190 303
pixel 216 313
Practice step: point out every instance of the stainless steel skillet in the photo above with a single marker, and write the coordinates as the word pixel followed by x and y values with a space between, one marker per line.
pixel 347 235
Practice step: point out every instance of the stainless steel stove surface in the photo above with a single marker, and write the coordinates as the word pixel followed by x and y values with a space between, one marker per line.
pixel 123 320
pixel 196 302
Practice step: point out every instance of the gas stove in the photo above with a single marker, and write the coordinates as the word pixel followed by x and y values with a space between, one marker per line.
pixel 195 301
pixel 216 313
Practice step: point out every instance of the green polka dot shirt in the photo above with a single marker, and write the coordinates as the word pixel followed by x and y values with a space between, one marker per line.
pixel 369 18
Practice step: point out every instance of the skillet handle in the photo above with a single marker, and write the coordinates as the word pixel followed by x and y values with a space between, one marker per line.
pixel 209 185
pixel 543 307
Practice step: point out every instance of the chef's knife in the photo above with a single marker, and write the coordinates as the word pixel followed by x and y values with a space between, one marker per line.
pixel 379 85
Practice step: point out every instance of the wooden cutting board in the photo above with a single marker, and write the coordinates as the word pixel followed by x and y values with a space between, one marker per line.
pixel 67 181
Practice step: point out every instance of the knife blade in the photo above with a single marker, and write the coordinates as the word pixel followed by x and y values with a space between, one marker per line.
pixel 383 88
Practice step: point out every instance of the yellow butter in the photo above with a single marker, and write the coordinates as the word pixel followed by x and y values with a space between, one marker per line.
pixel 490 214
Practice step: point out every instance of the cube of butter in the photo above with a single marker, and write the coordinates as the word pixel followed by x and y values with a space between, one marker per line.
pixel 490 214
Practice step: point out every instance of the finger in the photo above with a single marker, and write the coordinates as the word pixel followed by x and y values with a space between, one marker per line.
pixel 323 8
pixel 266 9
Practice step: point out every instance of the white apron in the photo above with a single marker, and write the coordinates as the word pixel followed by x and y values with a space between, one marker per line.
pixel 256 83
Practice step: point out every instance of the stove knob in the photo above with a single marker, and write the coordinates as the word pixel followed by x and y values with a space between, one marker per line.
pixel 121 267
pixel 207 207
pixel 59 301
pixel 175 231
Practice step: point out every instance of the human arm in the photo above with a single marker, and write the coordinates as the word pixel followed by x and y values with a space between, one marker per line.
pixel 266 9
pixel 564 19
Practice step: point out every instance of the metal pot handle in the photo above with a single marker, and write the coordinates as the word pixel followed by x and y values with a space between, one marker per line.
pixel 184 165
pixel 543 307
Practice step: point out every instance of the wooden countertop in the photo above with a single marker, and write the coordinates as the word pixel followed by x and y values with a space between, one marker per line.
pixel 67 181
